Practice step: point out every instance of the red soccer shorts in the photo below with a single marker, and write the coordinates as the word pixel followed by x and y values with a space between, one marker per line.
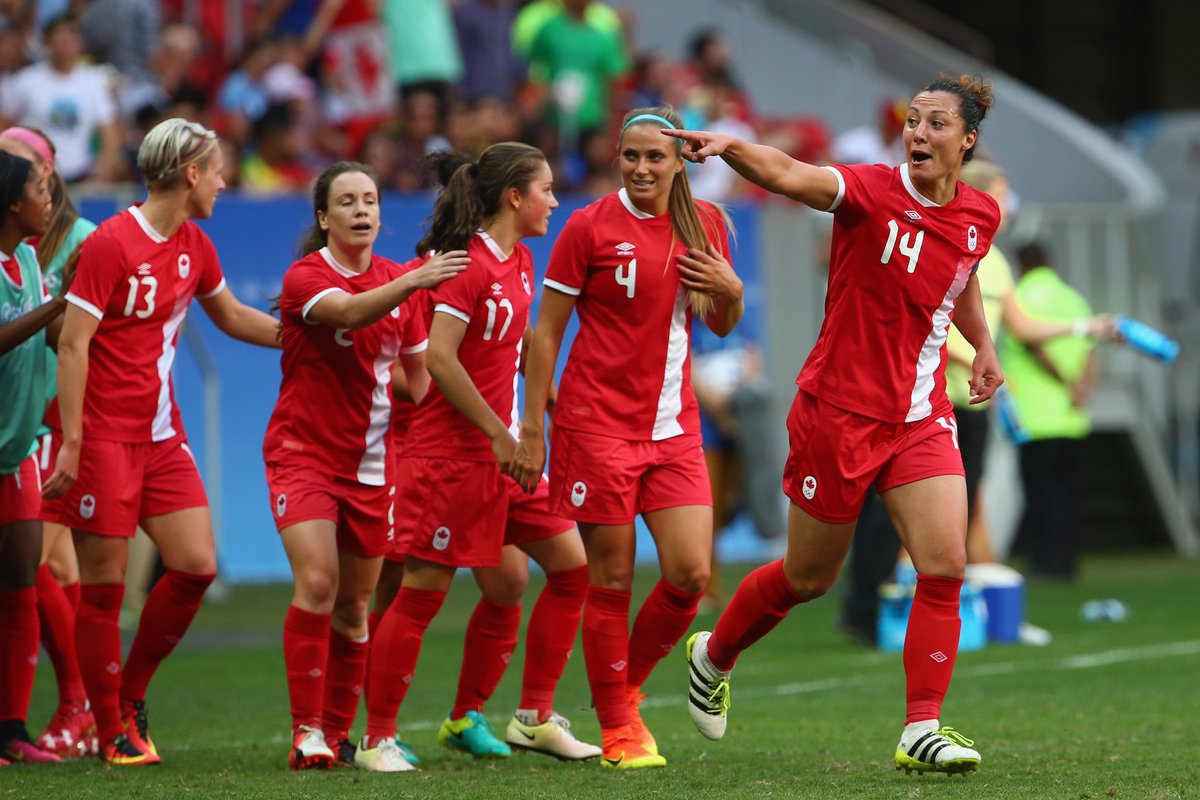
pixel 364 515
pixel 121 484
pixel 836 455
pixel 21 493
pixel 529 517
pixel 450 511
pixel 607 481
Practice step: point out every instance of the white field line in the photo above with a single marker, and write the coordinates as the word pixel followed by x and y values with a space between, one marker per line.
pixel 1084 661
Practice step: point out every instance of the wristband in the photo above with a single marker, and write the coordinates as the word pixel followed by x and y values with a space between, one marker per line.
pixel 1081 327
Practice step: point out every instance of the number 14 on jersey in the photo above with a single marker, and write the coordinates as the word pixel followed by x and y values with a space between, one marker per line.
pixel 912 248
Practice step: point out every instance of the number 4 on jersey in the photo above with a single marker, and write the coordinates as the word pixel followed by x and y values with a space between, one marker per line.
pixel 913 250
pixel 626 276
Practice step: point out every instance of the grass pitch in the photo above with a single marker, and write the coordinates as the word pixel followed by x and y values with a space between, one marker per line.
pixel 1106 710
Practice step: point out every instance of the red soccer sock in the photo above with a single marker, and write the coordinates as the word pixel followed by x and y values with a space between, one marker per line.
pixel 931 645
pixel 18 651
pixel 373 620
pixel 305 655
pixel 170 608
pixel 57 618
pixel 98 645
pixel 760 603
pixel 664 618
pixel 399 644
pixel 489 645
pixel 606 653
pixel 72 592
pixel 553 626
pixel 345 674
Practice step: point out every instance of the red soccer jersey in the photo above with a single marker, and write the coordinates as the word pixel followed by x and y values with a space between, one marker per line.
pixel 897 264
pixel 492 296
pixel 139 284
pixel 417 303
pixel 629 371
pixel 335 398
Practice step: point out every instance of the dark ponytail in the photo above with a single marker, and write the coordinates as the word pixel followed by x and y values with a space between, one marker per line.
pixel 473 190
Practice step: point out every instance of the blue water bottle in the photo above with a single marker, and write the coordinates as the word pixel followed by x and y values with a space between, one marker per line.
pixel 1010 422
pixel 1147 340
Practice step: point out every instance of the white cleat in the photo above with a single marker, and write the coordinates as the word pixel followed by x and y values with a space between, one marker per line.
pixel 708 689
pixel 385 757
pixel 926 747
pixel 552 737
pixel 309 750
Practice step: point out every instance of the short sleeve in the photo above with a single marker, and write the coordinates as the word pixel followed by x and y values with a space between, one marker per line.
pixel 857 183
pixel 569 260
pixel 459 294
pixel 98 274
pixel 303 286
pixel 212 278
pixel 413 336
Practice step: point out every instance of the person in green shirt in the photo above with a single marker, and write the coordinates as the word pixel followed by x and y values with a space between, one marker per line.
pixel 1049 385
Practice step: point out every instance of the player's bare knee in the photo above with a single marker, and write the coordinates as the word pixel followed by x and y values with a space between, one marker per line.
pixel 317 587
pixel 692 581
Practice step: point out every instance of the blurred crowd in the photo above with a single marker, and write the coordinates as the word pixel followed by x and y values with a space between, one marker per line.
pixel 293 85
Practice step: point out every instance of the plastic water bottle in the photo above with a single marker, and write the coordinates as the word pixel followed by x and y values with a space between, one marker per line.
pixel 1010 423
pixel 1110 610
pixel 1147 340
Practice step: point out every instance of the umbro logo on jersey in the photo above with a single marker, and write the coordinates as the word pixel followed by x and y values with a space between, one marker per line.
pixel 497 289
pixel 912 215
pixel 143 269
pixel 972 238
pixel 625 248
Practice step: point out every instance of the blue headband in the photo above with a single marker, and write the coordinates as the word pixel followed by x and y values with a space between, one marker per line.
pixel 666 122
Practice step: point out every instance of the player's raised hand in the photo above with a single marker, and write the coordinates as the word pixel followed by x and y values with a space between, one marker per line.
pixel 440 267
pixel 699 145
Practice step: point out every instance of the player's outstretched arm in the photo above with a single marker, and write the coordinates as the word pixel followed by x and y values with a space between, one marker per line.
pixel 242 322
pixel 772 169
pixel 355 311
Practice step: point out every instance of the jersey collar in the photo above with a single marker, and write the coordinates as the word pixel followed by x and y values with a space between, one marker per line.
pixel 336 266
pixel 912 190
pixel 145 225
pixel 630 207
pixel 497 251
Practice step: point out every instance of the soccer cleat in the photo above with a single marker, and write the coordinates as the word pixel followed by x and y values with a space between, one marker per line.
pixel 133 720
pixel 640 732
pixel 309 750
pixel 384 757
pixel 123 752
pixel 71 732
pixel 20 750
pixel 552 737
pixel 708 689
pixel 343 753
pixel 623 751
pixel 934 749
pixel 473 735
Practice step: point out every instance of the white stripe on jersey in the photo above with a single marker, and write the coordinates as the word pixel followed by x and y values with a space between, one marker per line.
pixel 514 420
pixel 452 311
pixel 90 308
pixel 562 287
pixel 162 429
pixel 931 351
pixel 837 201
pixel 372 469
pixel 214 292
pixel 419 347
pixel 670 400
pixel 312 301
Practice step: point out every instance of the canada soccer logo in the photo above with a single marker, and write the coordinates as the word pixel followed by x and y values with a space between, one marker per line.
pixel 809 487
pixel 281 505
pixel 441 538
pixel 185 265
pixel 578 493
pixel 972 238
pixel 525 283
pixel 87 506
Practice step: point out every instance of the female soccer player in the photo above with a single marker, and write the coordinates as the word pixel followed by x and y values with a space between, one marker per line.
pixel 326 447
pixel 124 457
pixel 453 502
pixel 72 729
pixel 637 264
pixel 24 314
pixel 872 405
pixel 492 631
